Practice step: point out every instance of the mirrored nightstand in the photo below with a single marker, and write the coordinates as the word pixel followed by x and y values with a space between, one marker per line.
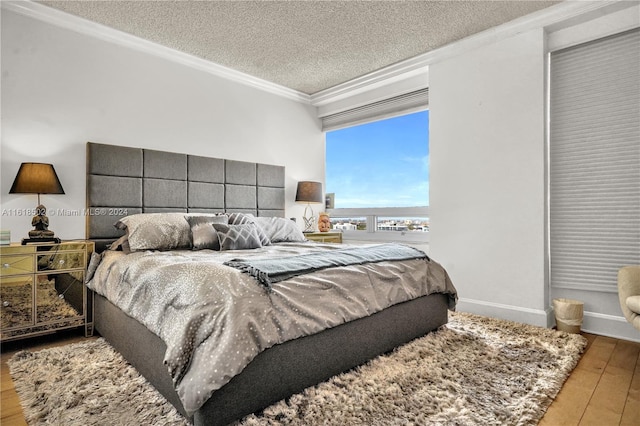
pixel 42 288
pixel 324 237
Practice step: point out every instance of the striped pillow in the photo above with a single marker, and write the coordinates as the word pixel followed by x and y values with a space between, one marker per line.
pixel 238 237
pixel 242 218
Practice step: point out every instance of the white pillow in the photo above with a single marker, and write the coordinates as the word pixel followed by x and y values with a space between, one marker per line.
pixel 279 229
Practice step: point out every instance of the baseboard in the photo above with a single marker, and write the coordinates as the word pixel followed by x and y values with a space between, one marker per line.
pixel 593 322
pixel 610 326
pixel 531 316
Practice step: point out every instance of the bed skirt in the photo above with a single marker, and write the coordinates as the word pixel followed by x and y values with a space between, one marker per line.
pixel 281 370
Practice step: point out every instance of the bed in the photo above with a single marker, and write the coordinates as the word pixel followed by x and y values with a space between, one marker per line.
pixel 130 185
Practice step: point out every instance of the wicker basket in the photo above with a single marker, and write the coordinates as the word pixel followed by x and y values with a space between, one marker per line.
pixel 568 314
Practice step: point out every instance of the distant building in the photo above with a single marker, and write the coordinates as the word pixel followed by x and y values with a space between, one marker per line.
pixel 392 226
pixel 346 226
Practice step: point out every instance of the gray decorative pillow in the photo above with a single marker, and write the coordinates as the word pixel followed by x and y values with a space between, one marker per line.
pixel 279 229
pixel 242 218
pixel 238 237
pixel 157 231
pixel 203 234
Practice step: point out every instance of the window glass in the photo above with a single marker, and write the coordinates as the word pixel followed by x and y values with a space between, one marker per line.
pixel 380 164
pixel 403 224
pixel 349 224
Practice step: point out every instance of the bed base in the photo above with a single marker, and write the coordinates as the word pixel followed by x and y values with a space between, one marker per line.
pixel 279 371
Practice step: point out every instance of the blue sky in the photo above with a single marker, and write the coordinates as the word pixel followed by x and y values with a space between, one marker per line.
pixel 380 164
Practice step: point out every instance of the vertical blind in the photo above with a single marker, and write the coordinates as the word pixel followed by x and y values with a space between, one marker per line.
pixel 594 153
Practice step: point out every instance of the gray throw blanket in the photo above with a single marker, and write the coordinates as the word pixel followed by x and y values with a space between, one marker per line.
pixel 272 270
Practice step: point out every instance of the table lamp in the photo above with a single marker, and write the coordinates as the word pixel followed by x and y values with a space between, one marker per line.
pixel 309 192
pixel 38 178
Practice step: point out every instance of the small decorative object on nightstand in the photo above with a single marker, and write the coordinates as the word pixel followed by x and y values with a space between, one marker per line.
pixel 42 288
pixel 5 238
pixel 324 223
pixel 324 237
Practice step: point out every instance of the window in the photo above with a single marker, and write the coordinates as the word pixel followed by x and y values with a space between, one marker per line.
pixel 380 164
pixel 595 162
pixel 377 175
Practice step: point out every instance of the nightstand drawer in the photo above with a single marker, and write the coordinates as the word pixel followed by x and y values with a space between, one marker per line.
pixel 324 237
pixel 61 260
pixel 16 264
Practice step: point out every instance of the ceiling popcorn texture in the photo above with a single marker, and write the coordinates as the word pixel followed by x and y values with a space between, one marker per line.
pixel 303 45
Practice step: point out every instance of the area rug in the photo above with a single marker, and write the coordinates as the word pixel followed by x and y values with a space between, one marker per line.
pixel 473 371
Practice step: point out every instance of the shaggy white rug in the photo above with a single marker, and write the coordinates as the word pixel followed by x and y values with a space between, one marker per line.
pixel 473 371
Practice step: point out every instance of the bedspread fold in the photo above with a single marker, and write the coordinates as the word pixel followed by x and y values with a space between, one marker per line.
pixel 269 270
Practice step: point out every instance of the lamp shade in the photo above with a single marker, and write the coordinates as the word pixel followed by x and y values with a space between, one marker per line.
pixel 309 192
pixel 36 178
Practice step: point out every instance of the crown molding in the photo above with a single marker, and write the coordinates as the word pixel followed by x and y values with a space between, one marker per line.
pixel 84 26
pixel 557 16
pixel 552 18
pixel 383 77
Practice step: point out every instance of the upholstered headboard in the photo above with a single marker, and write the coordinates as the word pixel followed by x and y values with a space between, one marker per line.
pixel 123 181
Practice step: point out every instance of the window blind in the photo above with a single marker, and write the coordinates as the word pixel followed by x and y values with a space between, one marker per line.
pixel 594 153
pixel 401 104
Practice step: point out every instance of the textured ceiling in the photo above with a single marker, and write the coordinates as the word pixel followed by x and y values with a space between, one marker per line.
pixel 304 45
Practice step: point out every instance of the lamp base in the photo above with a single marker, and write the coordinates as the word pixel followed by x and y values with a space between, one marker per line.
pixel 26 241
pixel 309 220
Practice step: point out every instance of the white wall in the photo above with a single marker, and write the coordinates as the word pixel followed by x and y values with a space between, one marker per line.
pixel 61 89
pixel 487 205
pixel 488 174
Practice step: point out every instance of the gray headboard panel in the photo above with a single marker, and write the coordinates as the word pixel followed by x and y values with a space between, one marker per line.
pixel 123 181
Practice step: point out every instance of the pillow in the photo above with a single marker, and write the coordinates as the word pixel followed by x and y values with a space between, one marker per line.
pixel 242 218
pixel 238 237
pixel 203 234
pixel 157 231
pixel 121 244
pixel 279 229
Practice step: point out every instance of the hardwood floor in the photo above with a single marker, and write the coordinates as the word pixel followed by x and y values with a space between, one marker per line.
pixel 603 390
